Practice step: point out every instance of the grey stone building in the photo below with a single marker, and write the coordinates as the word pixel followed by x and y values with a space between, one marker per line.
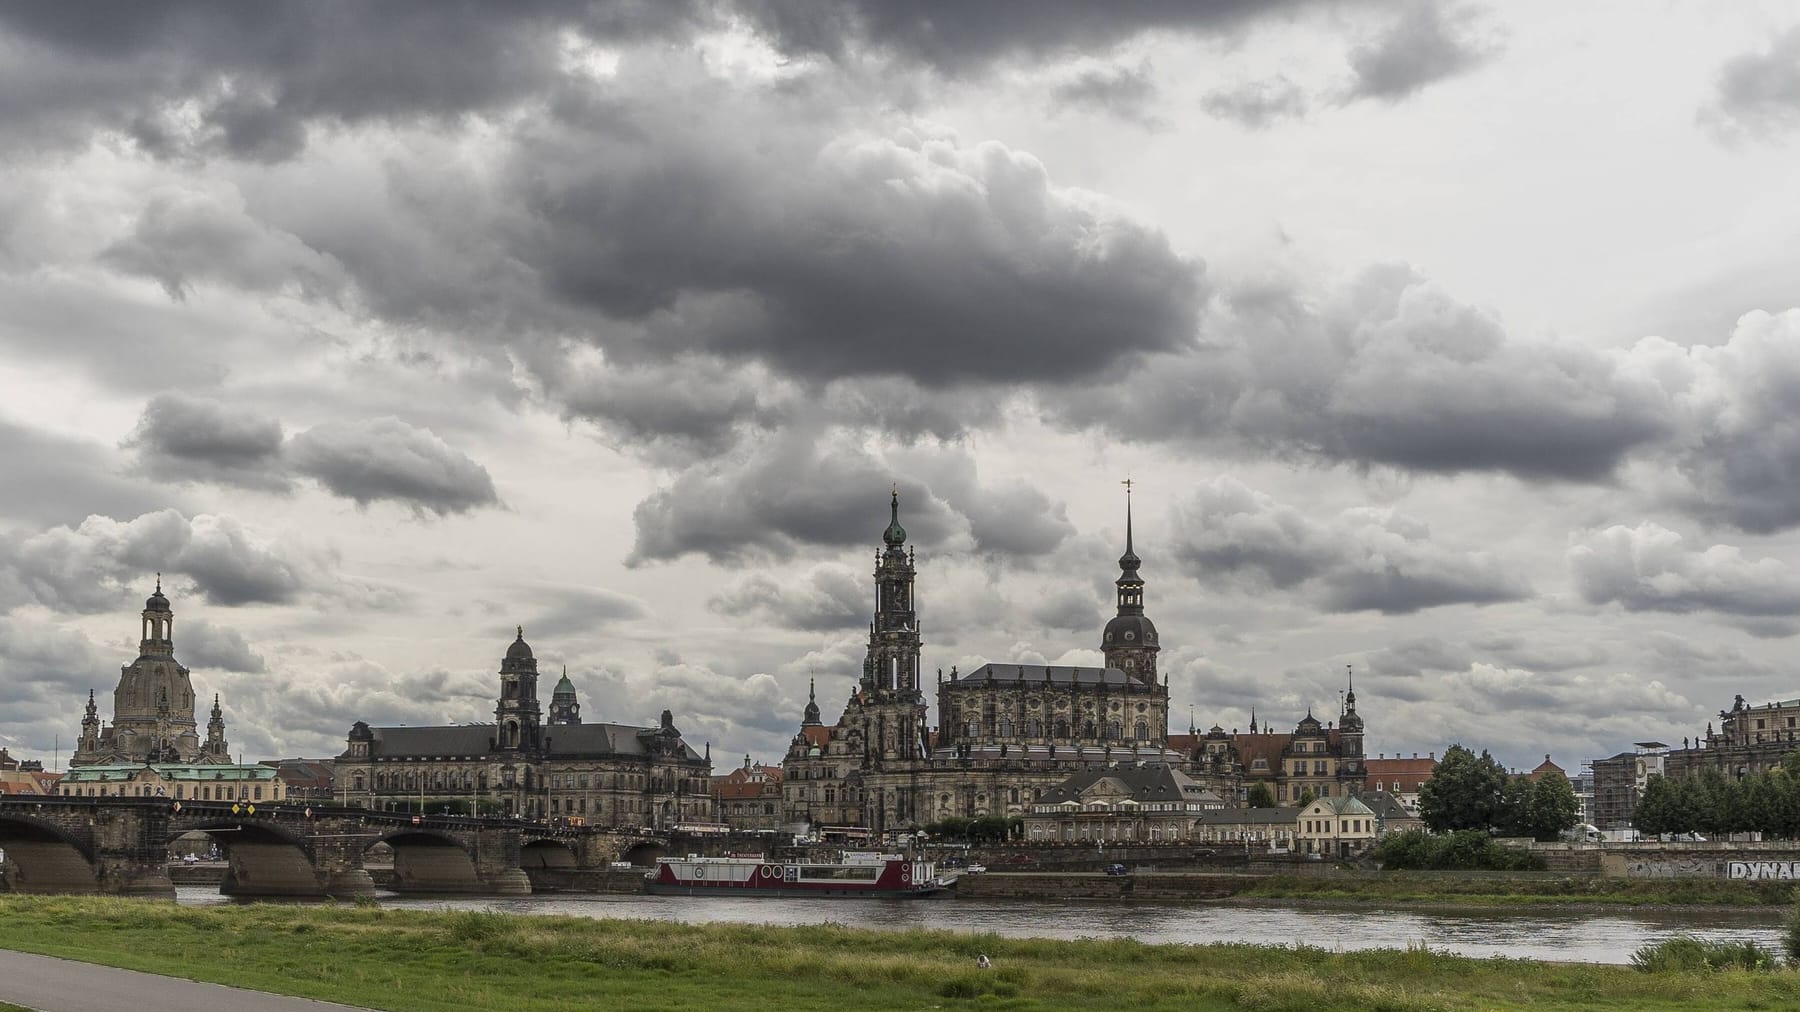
pixel 1006 732
pixel 602 774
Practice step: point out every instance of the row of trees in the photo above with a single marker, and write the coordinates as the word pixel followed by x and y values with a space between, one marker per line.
pixel 1470 792
pixel 1712 803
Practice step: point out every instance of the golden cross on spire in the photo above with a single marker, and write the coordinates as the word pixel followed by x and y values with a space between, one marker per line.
pixel 1127 484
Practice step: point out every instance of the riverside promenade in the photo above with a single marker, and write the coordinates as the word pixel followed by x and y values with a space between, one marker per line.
pixel 62 985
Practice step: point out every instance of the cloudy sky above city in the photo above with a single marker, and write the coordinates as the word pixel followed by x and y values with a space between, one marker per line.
pixel 1455 343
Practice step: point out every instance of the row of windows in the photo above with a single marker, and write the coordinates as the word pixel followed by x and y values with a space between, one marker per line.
pixel 1318 767
pixel 223 792
pixel 1319 826
pixel 1034 728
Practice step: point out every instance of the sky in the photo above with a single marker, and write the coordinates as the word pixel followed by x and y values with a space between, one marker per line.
pixel 1453 344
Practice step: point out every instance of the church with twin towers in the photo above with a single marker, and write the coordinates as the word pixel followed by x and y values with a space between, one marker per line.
pixel 1005 734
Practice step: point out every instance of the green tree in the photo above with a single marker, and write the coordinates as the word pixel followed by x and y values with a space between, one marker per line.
pixel 1551 808
pixel 1260 796
pixel 1654 813
pixel 1513 816
pixel 1306 798
pixel 1464 792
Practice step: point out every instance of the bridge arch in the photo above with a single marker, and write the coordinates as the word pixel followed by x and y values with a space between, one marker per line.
pixel 263 858
pixel 430 860
pixel 42 857
pixel 547 853
pixel 644 854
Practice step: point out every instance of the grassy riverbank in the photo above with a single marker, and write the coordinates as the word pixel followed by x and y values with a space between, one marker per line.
pixel 1405 887
pixel 395 959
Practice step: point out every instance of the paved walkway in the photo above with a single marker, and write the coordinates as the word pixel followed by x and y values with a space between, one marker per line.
pixel 63 985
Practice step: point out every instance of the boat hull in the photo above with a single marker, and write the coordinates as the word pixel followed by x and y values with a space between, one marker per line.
pixel 888 877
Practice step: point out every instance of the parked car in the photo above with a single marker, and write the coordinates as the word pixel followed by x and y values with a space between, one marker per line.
pixel 1116 869
pixel 975 869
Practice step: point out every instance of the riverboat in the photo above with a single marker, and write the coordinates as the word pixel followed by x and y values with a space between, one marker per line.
pixel 885 876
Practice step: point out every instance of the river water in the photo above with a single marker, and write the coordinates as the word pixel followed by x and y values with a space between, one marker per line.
pixel 1584 937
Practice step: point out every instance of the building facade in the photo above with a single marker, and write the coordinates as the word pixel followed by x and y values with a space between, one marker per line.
pixel 253 784
pixel 613 775
pixel 1007 733
pixel 1121 804
pixel 748 799
pixel 153 706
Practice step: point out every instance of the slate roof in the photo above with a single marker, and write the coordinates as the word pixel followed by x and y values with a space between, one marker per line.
pixel 566 741
pixel 1154 782
pixel 1387 807
pixel 1054 674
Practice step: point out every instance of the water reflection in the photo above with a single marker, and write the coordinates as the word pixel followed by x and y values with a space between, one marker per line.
pixel 1584 937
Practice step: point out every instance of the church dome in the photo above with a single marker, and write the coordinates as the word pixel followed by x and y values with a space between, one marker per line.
pixel 520 650
pixel 564 687
pixel 156 601
pixel 1129 631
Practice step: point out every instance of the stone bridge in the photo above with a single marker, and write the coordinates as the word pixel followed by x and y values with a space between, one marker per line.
pixel 121 845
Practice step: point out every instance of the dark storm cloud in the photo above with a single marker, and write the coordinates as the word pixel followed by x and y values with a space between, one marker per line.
pixel 1361 560
pixel 1651 568
pixel 792 491
pixel 183 438
pixel 387 459
pixel 247 79
pixel 1068 608
pixel 826 598
pixel 1740 439
pixel 1257 104
pixel 55 480
pixel 96 566
pixel 1759 93
pixel 185 238
pixel 573 611
pixel 1386 370
pixel 207 645
pixel 1125 93
pixel 680 230
pixel 1430 41
pixel 823 488
pixel 955 36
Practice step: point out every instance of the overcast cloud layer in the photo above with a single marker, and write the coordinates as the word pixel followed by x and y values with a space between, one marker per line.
pixel 1459 344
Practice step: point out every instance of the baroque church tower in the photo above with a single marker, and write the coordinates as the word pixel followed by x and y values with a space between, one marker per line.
pixel 517 715
pixel 889 704
pixel 1129 641
pixel 153 706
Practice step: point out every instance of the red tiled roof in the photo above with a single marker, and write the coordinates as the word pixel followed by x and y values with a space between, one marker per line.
pixel 817 734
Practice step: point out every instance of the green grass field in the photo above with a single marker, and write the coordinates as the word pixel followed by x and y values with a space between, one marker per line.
pixel 392 959
pixel 1408 887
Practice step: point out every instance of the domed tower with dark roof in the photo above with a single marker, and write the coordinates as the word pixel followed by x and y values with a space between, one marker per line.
pixel 811 718
pixel 1129 641
pixel 153 707
pixel 563 707
pixel 517 714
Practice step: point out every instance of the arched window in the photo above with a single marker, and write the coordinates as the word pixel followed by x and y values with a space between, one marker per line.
pixel 1113 731
pixel 1087 729
pixel 1006 727
pixel 1034 728
pixel 973 729
pixel 1062 727
pixel 1142 731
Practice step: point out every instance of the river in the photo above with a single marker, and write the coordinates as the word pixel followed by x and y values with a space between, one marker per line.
pixel 1582 937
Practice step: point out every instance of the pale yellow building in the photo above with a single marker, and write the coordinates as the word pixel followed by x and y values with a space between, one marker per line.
pixel 1335 827
pixel 176 782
